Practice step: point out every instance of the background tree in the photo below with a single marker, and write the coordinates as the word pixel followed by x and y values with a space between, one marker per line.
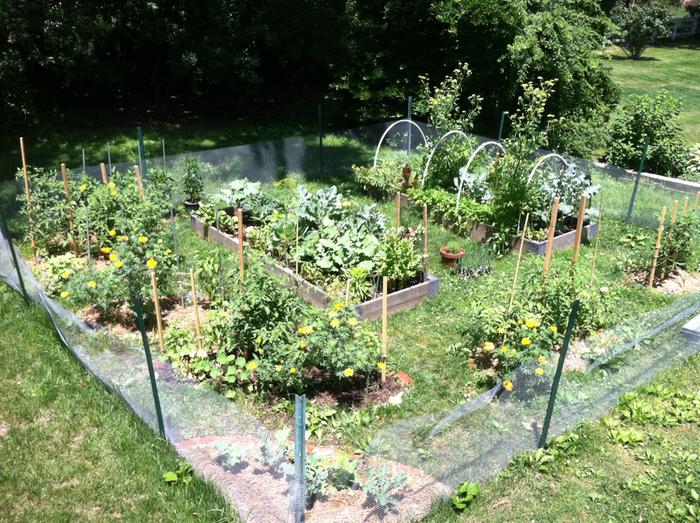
pixel 639 25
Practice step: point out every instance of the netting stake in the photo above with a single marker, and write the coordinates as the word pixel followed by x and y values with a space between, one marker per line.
pixel 501 125
pixel 164 161
pixel 159 319
pixel 398 210
pixel 69 210
pixel 296 247
pixel 557 375
pixel 685 204
pixel 195 306
pixel 425 242
pixel 149 362
pixel 636 180
pixel 385 324
pixel 579 227
pixel 84 168
pixel 139 181
pixel 320 138
pixel 27 195
pixel 550 236
pixel 6 233
pixel 300 457
pixel 657 247
pixel 103 172
pixel 142 152
pixel 697 200
pixel 597 236
pixel 109 160
pixel 87 234
pixel 517 263
pixel 241 262
pixel 409 115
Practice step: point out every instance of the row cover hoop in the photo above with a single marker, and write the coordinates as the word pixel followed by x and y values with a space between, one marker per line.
pixel 381 140
pixel 471 159
pixel 439 142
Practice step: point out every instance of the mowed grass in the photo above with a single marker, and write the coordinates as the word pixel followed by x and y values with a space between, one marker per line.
pixel 674 67
pixel 69 450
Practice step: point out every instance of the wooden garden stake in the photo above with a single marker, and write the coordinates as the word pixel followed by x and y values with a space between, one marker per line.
pixel 656 249
pixel 385 324
pixel 27 195
pixel 517 263
pixel 579 227
pixel 685 204
pixel 697 200
pixel 241 264
pixel 156 303
pixel 347 292
pixel 103 171
pixel 296 248
pixel 425 242
pixel 597 236
pixel 550 235
pixel 197 328
pixel 66 193
pixel 398 210
pixel 139 180
pixel 673 219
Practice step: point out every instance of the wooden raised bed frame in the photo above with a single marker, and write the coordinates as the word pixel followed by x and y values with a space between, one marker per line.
pixel 368 310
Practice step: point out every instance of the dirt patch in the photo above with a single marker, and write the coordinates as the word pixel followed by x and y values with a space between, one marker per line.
pixel 375 394
pixel 680 282
pixel 4 429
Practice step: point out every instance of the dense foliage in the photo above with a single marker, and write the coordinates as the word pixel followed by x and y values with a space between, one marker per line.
pixel 639 24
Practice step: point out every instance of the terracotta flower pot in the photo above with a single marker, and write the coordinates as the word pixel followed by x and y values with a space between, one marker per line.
pixel 450 258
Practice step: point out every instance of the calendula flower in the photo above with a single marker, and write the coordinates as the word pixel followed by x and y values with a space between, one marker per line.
pixel 332 314
pixel 151 263
pixel 353 321
pixel 335 324
pixel 83 188
pixel 488 346
pixel 106 250
pixel 532 324
pixel 305 330
pixel 504 349
pixel 539 371
pixel 112 256
pixel 112 185
pixel 541 360
pixel 251 365
pixel 92 284
pixel 168 251
pixel 258 340
pixel 112 233
pixel 303 344
pixel 554 329
pixel 339 306
pixel 278 368
pixel 501 330
pixel 119 264
pixel 525 341
pixel 293 370
pixel 508 385
pixel 143 239
pixel 65 275
pixel 113 193
pixel 381 365
pixel 348 372
pixel 65 294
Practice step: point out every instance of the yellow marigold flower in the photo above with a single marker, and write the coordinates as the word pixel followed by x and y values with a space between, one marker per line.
pixel 143 239
pixel 305 330
pixel 293 370
pixel 353 321
pixel 65 275
pixel 381 364
pixel 151 263
pixel 504 349
pixel 532 324
pixel 278 368
pixel 112 256
pixel 303 344
pixel 112 185
pixel 252 365
pixel 332 314
pixel 554 329
pixel 258 340
pixel 106 250
pixel 508 385
pixel 501 330
pixel 83 188
pixel 112 233
pixel 113 193
pixel 92 284
pixel 539 371
pixel 335 324
pixel 339 306
pixel 526 341
pixel 65 294
pixel 168 251
pixel 541 360
pixel 119 264
pixel 348 372
pixel 488 346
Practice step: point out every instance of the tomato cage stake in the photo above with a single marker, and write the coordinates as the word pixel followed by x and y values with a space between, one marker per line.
pixel 103 172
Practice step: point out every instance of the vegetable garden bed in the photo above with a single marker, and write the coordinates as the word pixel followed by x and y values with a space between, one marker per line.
pixel 368 310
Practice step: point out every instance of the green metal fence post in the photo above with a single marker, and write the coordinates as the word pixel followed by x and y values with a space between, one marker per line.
pixel 6 233
pixel 300 457
pixel 320 138
pixel 636 180
pixel 84 160
pixel 138 308
pixel 109 160
pixel 557 375
pixel 142 152
pixel 501 125
pixel 409 116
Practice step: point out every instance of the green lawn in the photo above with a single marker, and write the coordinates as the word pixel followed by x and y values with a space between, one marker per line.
pixel 674 67
pixel 70 450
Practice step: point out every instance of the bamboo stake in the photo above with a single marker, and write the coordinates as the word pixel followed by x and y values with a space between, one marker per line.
pixel 347 292
pixel 159 319
pixel 697 200
pixel 103 171
pixel 550 235
pixel 385 325
pixel 517 263
pixel 579 227
pixel 656 249
pixel 139 180
pixel 425 242
pixel 197 328
pixel 398 210
pixel 27 195
pixel 597 236
pixel 241 264
pixel 69 212
pixel 685 204
pixel 673 219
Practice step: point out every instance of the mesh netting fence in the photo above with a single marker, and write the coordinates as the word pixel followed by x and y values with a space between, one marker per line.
pixel 436 452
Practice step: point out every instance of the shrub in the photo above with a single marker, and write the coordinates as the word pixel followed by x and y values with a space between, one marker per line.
pixel 639 24
pixel 692 164
pixel 193 184
pixel 655 117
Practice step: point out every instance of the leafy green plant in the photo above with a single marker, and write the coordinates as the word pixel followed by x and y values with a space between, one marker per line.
pixel 398 259
pixel 379 485
pixel 676 249
pixel 230 454
pixel 443 209
pixel 386 179
pixel 453 247
pixel 182 475
pixel 192 182
pixel 465 495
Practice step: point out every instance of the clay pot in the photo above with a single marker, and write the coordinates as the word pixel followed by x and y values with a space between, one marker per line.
pixel 450 258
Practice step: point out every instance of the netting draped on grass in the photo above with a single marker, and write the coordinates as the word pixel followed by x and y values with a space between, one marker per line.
pixel 471 441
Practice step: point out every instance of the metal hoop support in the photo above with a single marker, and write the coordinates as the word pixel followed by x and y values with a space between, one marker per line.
pixel 381 140
pixel 471 159
pixel 430 156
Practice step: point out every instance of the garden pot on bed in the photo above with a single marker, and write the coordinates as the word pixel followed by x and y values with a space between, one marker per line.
pixel 449 257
